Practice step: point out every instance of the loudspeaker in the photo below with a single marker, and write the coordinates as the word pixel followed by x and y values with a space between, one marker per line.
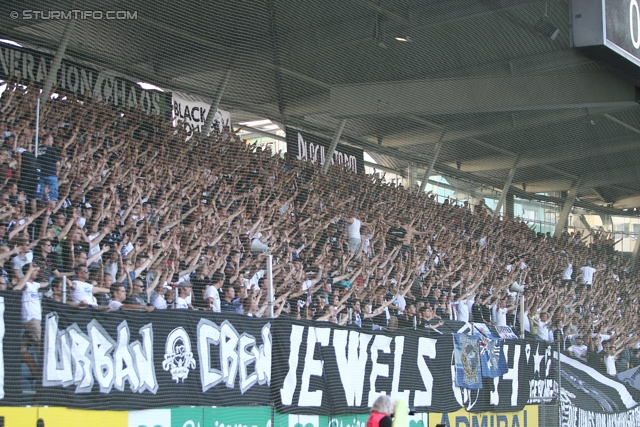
pixel 515 287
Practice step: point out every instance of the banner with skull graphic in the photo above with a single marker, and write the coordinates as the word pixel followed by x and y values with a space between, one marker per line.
pixel 133 360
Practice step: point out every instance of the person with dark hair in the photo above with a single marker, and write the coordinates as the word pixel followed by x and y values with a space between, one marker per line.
pixel 229 303
pixel 31 306
pixel 28 175
pixel 136 296
pixel 48 163
pixel 212 291
pixel 118 295
pixel 82 290
pixel 184 294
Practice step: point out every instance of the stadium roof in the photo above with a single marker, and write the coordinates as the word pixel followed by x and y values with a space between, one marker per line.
pixel 480 76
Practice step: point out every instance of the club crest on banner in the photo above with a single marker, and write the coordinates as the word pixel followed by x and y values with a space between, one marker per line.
pixel 178 357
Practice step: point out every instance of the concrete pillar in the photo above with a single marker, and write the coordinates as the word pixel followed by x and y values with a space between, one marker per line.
pixel 213 108
pixel 55 64
pixel 334 144
pixel 505 191
pixel 427 173
pixel 566 209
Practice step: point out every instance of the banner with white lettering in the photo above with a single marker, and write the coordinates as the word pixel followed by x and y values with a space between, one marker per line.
pixel 318 369
pixel 193 114
pixel 593 390
pixel 312 148
pixel 11 347
pixel 33 66
pixel 574 416
pixel 133 360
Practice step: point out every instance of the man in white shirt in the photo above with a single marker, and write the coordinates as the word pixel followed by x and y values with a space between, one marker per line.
pixel 578 350
pixel 158 296
pixel 31 307
pixel 544 332
pixel 500 311
pixel 465 303
pixel 83 291
pixel 568 271
pixel 24 257
pixel 118 295
pixel 588 274
pixel 212 292
pixel 609 358
pixel 184 292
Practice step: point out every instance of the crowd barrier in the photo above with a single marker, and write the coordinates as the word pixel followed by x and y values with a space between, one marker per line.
pixel 184 368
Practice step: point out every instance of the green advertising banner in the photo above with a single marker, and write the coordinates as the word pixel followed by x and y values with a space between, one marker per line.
pixel 359 420
pixel 257 416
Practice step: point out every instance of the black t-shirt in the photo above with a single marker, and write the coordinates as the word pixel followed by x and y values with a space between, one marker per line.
pixel 28 172
pixel 396 234
pixel 406 321
pixel 47 159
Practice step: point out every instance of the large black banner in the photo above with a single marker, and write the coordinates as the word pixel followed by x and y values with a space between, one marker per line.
pixel 331 370
pixel 10 350
pixel 312 148
pixel 134 360
pixel 33 66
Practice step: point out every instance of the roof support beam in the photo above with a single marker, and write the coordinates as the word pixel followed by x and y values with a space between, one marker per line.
pixel 542 91
pixel 566 209
pixel 204 131
pixel 505 190
pixel 429 170
pixel 334 144
pixel 57 60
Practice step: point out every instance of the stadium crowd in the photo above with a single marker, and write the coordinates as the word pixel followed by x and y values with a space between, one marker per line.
pixel 119 212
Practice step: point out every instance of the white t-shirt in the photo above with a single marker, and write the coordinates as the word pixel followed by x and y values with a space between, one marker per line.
pixel 366 244
pixel 212 292
pixel 353 229
pixel 114 305
pixel 587 274
pixel 111 268
pixel 464 307
pixel 17 262
pixel 568 271
pixel 610 363
pixel 181 303
pixel 578 350
pixel 543 331
pixel 401 303
pixel 83 292
pixel 96 248
pixel 158 302
pixel 501 316
pixel 253 282
pixel 306 285
pixel 527 323
pixel 31 307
